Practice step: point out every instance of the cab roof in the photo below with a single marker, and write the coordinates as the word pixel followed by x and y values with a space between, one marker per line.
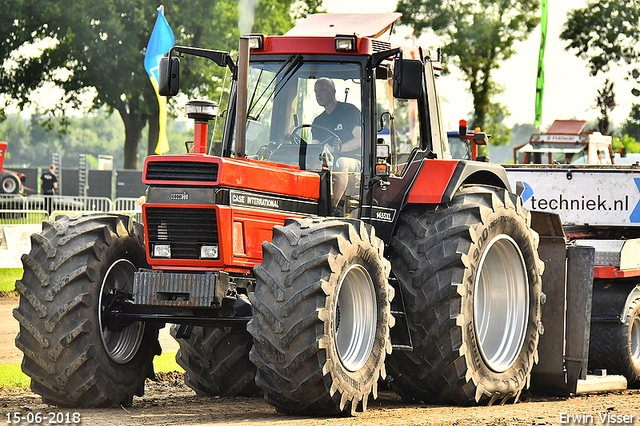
pixel 317 33
pixel 370 25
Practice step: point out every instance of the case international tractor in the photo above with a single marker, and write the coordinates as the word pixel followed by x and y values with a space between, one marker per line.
pixel 424 273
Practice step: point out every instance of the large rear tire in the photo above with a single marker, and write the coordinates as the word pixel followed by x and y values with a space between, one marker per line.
pixel 74 356
pixel 216 362
pixel 321 316
pixel 616 346
pixel 471 278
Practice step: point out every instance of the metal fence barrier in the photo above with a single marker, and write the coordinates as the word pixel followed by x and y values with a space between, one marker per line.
pixel 34 209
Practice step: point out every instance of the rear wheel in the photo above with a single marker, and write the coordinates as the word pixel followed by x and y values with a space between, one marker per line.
pixel 216 362
pixel 616 346
pixel 470 274
pixel 75 355
pixel 9 183
pixel 321 316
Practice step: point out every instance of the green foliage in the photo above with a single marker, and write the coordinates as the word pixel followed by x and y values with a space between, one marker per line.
pixel 631 125
pixel 478 35
pixel 604 32
pixel 494 124
pixel 626 141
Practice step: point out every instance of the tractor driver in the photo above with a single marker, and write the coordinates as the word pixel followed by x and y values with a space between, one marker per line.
pixel 345 121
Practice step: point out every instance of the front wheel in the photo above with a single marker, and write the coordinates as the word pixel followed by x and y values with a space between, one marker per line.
pixel 75 355
pixel 321 316
pixel 471 278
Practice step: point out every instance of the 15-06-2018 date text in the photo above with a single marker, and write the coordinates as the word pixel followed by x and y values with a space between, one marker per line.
pixel 39 418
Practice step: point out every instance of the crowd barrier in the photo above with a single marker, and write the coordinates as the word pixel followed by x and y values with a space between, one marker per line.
pixel 34 209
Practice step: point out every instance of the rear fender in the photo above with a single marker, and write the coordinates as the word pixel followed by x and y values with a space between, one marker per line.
pixel 438 180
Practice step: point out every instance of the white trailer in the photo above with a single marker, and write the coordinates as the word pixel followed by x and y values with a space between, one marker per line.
pixel 599 207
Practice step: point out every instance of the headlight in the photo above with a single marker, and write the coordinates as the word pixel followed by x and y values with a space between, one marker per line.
pixel 209 252
pixel 162 250
pixel 346 43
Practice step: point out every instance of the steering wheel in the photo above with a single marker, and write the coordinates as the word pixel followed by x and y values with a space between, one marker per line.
pixel 333 139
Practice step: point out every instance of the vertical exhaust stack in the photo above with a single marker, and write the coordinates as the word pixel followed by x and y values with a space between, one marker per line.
pixel 241 101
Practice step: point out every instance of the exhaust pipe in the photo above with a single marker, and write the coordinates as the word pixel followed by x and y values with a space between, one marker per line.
pixel 241 98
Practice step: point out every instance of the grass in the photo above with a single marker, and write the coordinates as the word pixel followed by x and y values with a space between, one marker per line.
pixel 166 363
pixel 11 376
pixel 8 277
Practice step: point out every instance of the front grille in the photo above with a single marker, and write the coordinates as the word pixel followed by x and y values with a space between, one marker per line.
pixel 193 171
pixel 185 229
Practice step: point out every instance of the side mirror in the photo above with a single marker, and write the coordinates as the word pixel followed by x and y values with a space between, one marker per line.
pixel 169 76
pixel 407 78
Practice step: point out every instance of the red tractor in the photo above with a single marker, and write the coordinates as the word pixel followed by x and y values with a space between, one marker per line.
pixel 291 263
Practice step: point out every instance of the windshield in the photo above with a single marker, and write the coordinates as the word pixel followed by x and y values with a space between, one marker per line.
pixel 292 110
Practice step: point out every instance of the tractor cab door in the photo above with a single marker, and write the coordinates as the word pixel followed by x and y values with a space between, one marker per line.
pixel 397 122
pixel 412 130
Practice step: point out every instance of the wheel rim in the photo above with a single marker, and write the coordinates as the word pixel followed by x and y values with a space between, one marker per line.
pixel 501 303
pixel 355 317
pixel 121 346
pixel 9 185
pixel 634 344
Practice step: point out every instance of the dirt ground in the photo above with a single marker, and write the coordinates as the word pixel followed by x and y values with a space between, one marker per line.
pixel 168 401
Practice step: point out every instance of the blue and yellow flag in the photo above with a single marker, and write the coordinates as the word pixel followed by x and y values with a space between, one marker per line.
pixel 161 41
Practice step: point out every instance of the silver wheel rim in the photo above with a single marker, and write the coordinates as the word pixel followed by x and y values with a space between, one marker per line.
pixel 9 185
pixel 634 343
pixel 501 303
pixel 355 317
pixel 121 346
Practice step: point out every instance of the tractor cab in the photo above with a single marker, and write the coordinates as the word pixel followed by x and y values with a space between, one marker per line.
pixel 352 108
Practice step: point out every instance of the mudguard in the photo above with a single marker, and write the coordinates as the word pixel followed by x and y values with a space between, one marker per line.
pixel 438 180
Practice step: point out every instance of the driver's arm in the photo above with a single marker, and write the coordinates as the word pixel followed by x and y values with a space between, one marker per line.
pixel 355 142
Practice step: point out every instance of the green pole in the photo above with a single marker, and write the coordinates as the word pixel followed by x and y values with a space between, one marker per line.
pixel 540 77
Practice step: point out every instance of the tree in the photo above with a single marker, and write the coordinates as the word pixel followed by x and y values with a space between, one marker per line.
pixel 631 125
pixel 494 124
pixel 478 35
pixel 605 102
pixel 604 32
pixel 100 44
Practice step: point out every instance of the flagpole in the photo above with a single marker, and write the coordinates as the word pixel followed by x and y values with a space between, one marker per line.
pixel 540 75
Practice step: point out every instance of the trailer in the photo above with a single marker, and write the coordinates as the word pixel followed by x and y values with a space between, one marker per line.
pixel 597 207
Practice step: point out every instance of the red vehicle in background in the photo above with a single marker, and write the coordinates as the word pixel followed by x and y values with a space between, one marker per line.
pixel 10 182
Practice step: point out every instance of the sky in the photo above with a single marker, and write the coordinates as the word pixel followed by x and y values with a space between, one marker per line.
pixel 570 92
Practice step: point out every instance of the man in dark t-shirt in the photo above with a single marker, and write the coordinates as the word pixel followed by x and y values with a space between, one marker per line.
pixel 48 185
pixel 345 120
pixel 49 181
